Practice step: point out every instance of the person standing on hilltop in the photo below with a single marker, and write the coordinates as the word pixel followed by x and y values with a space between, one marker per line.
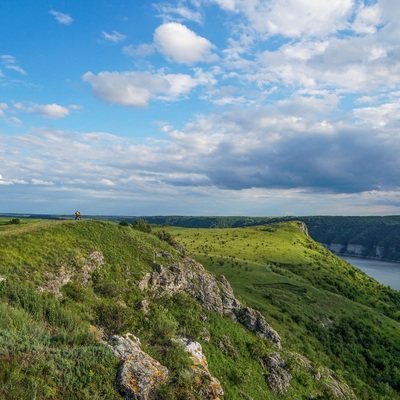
pixel 77 215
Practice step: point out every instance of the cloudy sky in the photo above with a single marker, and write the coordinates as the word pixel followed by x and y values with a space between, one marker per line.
pixel 200 107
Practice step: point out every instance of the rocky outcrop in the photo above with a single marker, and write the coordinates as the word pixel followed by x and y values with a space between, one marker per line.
pixel 339 390
pixel 215 295
pixel 139 374
pixel 278 379
pixel 254 321
pixel 210 387
pixel 82 267
pixel 329 384
pixel 57 281
pixel 303 228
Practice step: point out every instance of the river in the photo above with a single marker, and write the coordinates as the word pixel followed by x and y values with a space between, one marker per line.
pixel 385 272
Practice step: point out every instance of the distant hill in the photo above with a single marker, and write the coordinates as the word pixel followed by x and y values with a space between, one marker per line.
pixel 375 237
pixel 365 236
pixel 97 309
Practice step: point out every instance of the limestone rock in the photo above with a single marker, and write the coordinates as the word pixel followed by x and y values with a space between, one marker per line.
pixel 61 278
pixel 255 322
pixel 139 374
pixel 340 389
pixel 82 267
pixel 279 379
pixel 211 387
pixel 215 295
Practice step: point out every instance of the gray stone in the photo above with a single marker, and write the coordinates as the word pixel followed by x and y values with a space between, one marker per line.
pixel 139 374
pixel 214 294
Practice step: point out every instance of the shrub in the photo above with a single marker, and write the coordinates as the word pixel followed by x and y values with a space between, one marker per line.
pixel 124 223
pixel 14 221
pixel 141 225
pixel 166 237
pixel 114 319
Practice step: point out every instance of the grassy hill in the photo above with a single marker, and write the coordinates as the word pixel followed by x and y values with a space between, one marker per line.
pixel 66 287
pixel 322 306
pixel 378 236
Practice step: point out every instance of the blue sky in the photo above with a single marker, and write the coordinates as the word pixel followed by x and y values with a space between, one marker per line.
pixel 200 107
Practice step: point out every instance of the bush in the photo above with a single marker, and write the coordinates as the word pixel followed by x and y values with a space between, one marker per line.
pixel 166 237
pixel 14 221
pixel 164 325
pixel 141 225
pixel 114 319
pixel 124 223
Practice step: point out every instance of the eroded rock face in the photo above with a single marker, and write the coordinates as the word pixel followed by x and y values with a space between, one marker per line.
pixel 82 267
pixel 279 379
pixel 255 322
pixel 215 295
pixel 139 374
pixel 211 387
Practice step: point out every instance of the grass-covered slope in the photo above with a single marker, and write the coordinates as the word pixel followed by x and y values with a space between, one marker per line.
pixel 323 307
pixel 49 347
pixel 66 287
pixel 378 236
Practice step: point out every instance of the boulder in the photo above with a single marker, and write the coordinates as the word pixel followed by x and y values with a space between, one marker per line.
pixel 139 374
pixel 210 387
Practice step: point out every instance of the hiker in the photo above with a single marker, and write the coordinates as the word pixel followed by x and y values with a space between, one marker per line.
pixel 77 215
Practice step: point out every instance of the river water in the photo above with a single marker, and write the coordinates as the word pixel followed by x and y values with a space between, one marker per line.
pixel 385 272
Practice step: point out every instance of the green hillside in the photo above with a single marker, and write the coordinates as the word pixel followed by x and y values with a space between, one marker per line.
pixel 375 236
pixel 370 232
pixel 66 287
pixel 322 306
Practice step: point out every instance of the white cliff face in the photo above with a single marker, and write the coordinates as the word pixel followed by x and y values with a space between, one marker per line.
pixel 356 249
pixel 349 249
pixel 360 250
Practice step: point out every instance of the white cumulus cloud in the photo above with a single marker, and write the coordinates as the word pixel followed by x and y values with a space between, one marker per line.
pixel 367 20
pixel 107 182
pixel 180 44
pixel 138 88
pixel 180 11
pixel 51 111
pixel 126 88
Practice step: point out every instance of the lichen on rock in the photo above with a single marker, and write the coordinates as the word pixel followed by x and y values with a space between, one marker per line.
pixel 139 375
pixel 210 386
